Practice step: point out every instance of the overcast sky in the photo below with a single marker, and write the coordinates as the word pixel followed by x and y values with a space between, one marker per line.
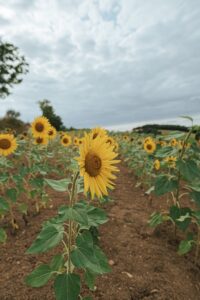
pixel 106 62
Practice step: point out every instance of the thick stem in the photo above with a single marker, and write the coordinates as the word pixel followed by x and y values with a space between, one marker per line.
pixel 71 203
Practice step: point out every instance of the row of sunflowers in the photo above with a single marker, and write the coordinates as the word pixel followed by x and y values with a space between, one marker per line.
pixel 80 165
pixel 168 166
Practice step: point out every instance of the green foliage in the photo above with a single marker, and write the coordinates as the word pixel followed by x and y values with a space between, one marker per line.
pixel 12 66
pixel 48 112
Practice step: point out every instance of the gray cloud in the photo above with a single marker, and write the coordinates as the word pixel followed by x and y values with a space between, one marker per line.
pixel 106 62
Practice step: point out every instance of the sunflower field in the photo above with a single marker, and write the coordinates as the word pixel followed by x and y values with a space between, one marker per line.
pixel 82 168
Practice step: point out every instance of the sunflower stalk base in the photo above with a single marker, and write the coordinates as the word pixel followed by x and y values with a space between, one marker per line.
pixel 73 228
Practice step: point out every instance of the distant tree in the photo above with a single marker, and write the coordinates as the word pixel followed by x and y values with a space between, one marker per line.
pixel 48 112
pixel 12 65
pixel 12 114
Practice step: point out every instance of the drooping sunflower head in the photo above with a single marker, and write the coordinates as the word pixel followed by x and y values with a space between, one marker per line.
pixel 40 127
pixel 41 140
pixel 96 162
pixel 98 132
pixel 66 140
pixel 150 146
pixel 52 133
pixel 156 164
pixel 8 144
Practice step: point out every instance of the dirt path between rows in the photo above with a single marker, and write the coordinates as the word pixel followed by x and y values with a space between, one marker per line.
pixel 145 264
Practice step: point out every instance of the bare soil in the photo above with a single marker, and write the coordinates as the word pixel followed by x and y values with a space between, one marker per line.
pixel 145 263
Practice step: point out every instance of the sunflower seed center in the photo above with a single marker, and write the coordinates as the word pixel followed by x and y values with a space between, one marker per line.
pixel 5 144
pixel 65 140
pixel 39 127
pixel 92 164
pixel 39 140
pixel 149 146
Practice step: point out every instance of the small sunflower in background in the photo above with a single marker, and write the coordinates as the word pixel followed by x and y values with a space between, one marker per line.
pixel 173 143
pixel 40 127
pixel 75 141
pixel 162 143
pixel 125 137
pixel 110 141
pixel 96 162
pixel 150 146
pixel 66 140
pixel 52 133
pixel 8 144
pixel 80 142
pixel 98 132
pixel 156 165
pixel 41 140
pixel 171 160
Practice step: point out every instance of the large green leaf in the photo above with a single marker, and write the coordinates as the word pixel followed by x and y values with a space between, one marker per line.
pixel 57 262
pixel 39 276
pixel 89 278
pixel 49 237
pixel 88 256
pixel 67 287
pixel 58 185
pixel 189 170
pixel 181 216
pixel 165 184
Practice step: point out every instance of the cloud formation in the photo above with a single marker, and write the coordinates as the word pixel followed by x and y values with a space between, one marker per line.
pixel 106 62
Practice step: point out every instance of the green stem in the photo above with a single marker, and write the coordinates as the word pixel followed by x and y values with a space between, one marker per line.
pixel 71 203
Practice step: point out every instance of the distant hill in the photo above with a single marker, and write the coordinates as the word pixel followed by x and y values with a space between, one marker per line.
pixel 157 128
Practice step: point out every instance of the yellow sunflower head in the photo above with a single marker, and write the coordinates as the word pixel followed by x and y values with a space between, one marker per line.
pixel 171 160
pixel 66 140
pixel 8 144
pixel 173 143
pixel 98 132
pixel 52 133
pixel 156 164
pixel 150 146
pixel 96 162
pixel 40 127
pixel 80 141
pixel 75 141
pixel 41 140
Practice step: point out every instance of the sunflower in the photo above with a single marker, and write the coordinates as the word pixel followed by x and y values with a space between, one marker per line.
pixel 41 140
pixel 75 141
pixel 96 165
pixel 125 137
pixel 173 142
pixel 98 131
pixel 171 160
pixel 8 144
pixel 80 142
pixel 156 164
pixel 148 139
pixel 150 146
pixel 66 140
pixel 40 127
pixel 52 133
